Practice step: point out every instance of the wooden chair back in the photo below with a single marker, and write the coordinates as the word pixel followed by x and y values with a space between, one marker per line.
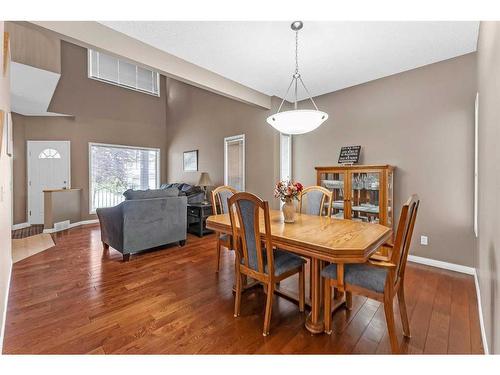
pixel 245 215
pixel 404 234
pixel 220 195
pixel 316 197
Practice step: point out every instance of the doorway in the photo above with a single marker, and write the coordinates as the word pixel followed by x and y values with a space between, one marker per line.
pixel 48 168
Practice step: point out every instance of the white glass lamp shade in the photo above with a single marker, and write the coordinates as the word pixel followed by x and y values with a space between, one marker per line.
pixel 298 121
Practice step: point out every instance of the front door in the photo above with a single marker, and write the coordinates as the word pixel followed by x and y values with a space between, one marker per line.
pixel 48 168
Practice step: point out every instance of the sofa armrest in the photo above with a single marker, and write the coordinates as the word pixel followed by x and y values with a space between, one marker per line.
pixel 111 221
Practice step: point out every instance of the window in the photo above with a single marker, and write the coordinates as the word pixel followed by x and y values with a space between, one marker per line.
pixel 476 165
pixel 49 153
pixel 285 157
pixel 114 169
pixel 234 162
pixel 113 70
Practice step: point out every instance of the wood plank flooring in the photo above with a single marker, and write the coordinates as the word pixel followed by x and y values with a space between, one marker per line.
pixel 73 298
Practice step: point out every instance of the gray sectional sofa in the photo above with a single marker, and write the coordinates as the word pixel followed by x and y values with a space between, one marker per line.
pixel 146 219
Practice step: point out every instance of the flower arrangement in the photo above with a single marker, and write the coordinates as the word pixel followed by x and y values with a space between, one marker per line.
pixel 287 190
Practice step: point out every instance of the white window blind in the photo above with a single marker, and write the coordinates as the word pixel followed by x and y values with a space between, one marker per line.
pixel 119 72
pixel 234 162
pixel 114 169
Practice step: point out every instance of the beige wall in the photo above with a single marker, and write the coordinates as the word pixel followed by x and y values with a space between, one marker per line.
pixel 101 113
pixel 422 122
pixel 61 205
pixel 80 131
pixel 198 119
pixel 35 48
pixel 488 245
pixel 5 197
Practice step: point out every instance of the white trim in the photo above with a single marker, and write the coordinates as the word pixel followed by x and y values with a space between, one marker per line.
pixel 158 168
pixel 480 311
pixel 72 225
pixel 20 226
pixel 240 137
pixel 28 171
pixel 5 303
pixel 441 264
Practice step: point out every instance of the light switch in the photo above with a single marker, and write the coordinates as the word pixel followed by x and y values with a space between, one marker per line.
pixel 424 240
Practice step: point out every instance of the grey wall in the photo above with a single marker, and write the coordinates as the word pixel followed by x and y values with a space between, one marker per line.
pixel 488 244
pixel 422 122
pixel 100 113
pixel 199 120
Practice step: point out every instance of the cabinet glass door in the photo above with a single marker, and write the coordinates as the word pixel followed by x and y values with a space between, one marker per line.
pixel 390 213
pixel 335 182
pixel 365 196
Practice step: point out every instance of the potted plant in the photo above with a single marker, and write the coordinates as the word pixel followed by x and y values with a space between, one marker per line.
pixel 287 191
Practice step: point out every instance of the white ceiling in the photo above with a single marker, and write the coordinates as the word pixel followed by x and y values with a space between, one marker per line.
pixel 332 55
pixel 31 90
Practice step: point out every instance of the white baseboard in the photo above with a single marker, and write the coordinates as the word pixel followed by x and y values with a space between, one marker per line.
pixel 20 226
pixel 72 225
pixel 480 310
pixel 461 269
pixel 5 303
pixel 441 264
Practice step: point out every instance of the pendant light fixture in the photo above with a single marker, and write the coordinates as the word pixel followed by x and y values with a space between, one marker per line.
pixel 297 121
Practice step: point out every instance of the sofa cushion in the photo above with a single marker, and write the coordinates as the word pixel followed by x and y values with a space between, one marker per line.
pixel 150 193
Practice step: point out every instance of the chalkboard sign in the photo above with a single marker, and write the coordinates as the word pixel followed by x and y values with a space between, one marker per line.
pixel 349 154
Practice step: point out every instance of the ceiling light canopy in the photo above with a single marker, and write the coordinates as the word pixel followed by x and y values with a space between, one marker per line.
pixel 297 121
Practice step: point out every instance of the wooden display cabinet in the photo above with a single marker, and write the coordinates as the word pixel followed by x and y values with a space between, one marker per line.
pixel 360 192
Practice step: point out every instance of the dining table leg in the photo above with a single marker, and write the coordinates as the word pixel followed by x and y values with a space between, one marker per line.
pixel 314 322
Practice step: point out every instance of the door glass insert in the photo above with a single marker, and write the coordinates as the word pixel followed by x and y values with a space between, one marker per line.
pixel 365 204
pixel 49 153
pixel 335 183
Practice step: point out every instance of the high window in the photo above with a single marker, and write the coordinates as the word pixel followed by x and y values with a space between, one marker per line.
pixel 285 157
pixel 119 72
pixel 114 169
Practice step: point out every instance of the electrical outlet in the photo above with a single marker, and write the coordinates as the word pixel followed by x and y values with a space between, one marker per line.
pixel 424 240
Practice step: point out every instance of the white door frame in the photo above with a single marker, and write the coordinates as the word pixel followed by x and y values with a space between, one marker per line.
pixel 28 186
pixel 240 137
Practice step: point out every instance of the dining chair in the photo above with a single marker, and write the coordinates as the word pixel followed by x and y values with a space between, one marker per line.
pixel 381 278
pixel 315 198
pixel 255 253
pixel 219 199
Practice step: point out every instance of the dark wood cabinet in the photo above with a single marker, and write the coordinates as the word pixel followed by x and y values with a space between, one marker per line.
pixel 197 214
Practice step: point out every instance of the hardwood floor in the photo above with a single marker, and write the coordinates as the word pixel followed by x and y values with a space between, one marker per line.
pixel 73 298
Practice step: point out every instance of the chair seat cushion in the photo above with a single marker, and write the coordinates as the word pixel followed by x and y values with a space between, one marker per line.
pixel 360 274
pixel 283 262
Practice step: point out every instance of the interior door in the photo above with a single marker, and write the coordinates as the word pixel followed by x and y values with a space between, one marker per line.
pixel 48 168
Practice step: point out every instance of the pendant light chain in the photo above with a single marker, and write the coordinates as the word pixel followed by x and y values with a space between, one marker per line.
pixel 295 80
pixel 297 52
pixel 297 121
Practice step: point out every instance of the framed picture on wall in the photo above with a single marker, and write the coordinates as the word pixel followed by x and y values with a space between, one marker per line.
pixel 191 161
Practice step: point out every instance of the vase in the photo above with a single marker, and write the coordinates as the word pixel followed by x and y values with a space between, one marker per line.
pixel 289 211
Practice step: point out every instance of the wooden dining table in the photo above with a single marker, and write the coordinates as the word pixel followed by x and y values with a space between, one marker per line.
pixel 320 239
